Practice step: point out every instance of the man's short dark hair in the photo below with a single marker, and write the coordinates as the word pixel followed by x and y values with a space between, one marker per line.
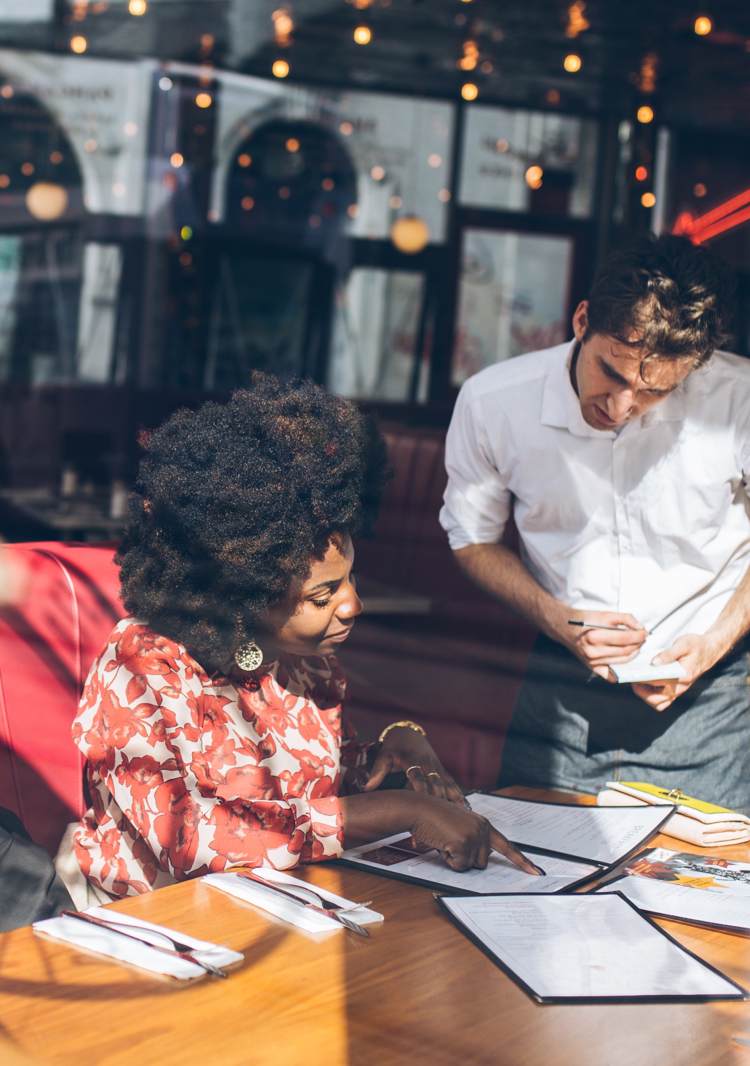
pixel 663 296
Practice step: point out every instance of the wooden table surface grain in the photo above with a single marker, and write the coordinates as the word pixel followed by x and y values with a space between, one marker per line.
pixel 416 992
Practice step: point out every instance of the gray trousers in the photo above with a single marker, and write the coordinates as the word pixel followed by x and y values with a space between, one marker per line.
pixel 571 730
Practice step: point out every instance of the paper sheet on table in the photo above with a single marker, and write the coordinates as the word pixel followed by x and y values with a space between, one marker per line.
pixel 286 909
pixel 106 942
pixel 573 948
pixel 386 856
pixel 684 904
pixel 592 834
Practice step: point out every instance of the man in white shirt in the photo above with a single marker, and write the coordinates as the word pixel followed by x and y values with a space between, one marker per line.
pixel 623 458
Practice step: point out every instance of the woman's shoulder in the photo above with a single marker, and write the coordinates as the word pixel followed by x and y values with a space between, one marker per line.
pixel 135 645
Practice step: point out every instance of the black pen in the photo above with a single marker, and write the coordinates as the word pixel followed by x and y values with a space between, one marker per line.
pixel 597 625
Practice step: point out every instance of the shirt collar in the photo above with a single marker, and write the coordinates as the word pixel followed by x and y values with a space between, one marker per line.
pixel 561 407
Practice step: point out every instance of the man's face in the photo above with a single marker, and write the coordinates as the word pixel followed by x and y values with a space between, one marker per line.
pixel 614 382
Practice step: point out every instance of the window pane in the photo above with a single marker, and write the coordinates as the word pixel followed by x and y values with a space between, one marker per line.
pixel 499 147
pixel 513 297
pixel 376 338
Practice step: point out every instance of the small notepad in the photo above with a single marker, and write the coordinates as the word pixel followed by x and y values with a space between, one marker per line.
pixel 642 669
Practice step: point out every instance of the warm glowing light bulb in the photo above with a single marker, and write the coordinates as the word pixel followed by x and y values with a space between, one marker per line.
pixel 699 190
pixel 469 91
pixel 572 63
pixel 27 169
pixel 4 181
pixel 410 234
pixel 533 177
pixel 78 44
pixel 641 173
pixel 247 203
pixel 362 35
pixel 703 25
pixel 648 199
pixel 6 92
pixel 186 233
pixel 176 159
pixel 346 128
pixel 377 173
pixel 292 144
pixel 244 160
pixel 280 68
pixel 137 7
pixel 645 114
pixel 46 201
pixel 55 157
pixel 203 100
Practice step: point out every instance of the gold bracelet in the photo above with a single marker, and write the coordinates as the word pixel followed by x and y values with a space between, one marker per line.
pixel 406 724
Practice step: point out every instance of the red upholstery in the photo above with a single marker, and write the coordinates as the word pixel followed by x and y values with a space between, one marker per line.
pixel 457 669
pixel 46 647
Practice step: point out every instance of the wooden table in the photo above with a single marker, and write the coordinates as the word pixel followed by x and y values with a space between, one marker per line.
pixel 417 992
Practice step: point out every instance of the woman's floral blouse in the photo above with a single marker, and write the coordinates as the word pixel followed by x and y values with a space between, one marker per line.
pixel 188 774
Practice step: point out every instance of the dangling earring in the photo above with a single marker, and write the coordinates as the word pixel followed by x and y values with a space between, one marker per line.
pixel 249 656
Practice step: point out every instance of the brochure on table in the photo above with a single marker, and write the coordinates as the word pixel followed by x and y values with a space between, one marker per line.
pixel 585 948
pixel 706 890
pixel 572 844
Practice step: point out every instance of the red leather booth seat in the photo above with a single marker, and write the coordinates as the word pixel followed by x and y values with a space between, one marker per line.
pixel 46 647
pixel 457 666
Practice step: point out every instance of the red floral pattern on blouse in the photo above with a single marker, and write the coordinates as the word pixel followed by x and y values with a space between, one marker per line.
pixel 189 774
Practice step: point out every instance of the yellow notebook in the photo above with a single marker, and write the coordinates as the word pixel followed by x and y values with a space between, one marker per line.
pixel 672 795
pixel 693 820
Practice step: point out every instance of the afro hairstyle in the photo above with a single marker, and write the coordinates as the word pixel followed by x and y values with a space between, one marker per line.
pixel 232 503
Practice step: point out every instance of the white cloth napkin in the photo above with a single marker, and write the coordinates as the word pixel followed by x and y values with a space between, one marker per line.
pixel 286 909
pixel 103 942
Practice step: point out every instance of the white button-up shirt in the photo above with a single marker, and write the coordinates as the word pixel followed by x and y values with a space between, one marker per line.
pixel 653 519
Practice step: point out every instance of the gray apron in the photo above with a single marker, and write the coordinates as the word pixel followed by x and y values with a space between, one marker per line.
pixel 573 730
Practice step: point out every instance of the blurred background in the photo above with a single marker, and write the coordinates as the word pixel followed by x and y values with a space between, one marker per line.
pixel 384 195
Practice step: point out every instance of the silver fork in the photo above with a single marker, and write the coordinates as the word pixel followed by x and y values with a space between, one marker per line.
pixel 179 948
pixel 322 905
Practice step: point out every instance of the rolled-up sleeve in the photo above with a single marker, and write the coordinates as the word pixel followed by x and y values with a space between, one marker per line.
pixel 477 502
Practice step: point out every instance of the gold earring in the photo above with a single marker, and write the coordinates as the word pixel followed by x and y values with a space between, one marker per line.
pixel 249 656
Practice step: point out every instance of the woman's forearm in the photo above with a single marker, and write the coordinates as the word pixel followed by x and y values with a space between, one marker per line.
pixel 369 816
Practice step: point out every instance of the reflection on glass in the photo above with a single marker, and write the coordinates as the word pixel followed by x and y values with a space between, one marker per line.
pixel 513 297
pixel 499 147
pixel 376 343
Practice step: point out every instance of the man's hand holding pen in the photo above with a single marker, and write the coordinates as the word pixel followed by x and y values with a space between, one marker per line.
pixel 599 638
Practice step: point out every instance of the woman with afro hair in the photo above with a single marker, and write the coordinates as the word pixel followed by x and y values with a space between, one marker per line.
pixel 211 722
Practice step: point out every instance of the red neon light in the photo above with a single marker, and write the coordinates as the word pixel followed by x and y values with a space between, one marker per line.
pixel 721 227
pixel 718 220
pixel 715 213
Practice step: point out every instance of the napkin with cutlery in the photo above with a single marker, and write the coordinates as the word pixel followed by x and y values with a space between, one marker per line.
pixel 286 909
pixel 109 942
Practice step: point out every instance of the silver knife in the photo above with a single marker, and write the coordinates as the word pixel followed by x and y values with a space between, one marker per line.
pixel 185 952
pixel 337 916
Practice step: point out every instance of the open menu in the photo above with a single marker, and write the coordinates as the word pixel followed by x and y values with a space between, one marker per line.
pixel 706 890
pixel 585 948
pixel 572 844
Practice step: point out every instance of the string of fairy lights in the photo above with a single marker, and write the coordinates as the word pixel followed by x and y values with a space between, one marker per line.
pixel 474 62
